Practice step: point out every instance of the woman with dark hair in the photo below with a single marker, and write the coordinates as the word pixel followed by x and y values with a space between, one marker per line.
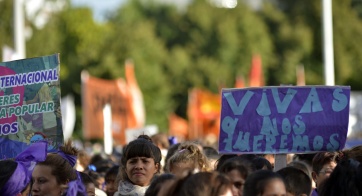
pixel 297 182
pixel 237 169
pixel 158 182
pixel 199 184
pixel 323 165
pixel 15 175
pixel 222 159
pixel 343 181
pixel 110 179
pixel 7 169
pixel 139 163
pixel 261 163
pixel 353 153
pixel 264 182
pixel 88 183
pixel 52 176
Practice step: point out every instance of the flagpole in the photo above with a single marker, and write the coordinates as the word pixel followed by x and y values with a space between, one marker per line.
pixel 19 38
pixel 328 54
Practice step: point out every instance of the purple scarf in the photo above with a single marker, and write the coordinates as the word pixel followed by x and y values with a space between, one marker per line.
pixel 72 160
pixel 26 160
pixel 76 187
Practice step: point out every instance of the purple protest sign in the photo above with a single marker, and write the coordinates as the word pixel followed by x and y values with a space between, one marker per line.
pixel 285 119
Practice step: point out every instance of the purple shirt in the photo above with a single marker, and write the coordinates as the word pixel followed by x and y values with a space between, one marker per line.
pixel 314 193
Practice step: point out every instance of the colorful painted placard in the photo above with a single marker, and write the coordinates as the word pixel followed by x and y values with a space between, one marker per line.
pixel 29 104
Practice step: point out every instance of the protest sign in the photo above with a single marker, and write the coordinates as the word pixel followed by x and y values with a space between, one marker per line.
pixel 29 104
pixel 284 119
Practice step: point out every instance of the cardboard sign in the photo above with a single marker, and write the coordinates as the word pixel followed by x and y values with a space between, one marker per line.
pixel 284 119
pixel 29 104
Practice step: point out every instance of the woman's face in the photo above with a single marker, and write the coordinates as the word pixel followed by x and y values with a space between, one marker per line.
pixel 275 187
pixel 238 182
pixel 325 172
pixel 44 182
pixel 140 170
pixel 90 188
pixel 110 184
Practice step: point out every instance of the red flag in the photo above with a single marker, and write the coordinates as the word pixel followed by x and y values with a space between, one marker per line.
pixel 135 94
pixel 96 93
pixel 256 78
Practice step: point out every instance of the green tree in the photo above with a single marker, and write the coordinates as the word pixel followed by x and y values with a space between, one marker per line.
pixel 74 34
pixel 296 27
pixel 205 46
pixel 200 46
pixel 6 24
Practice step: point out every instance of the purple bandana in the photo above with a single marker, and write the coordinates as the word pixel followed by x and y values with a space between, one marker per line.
pixel 70 158
pixel 26 161
pixel 76 187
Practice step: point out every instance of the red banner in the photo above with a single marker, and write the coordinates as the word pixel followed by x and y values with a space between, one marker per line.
pixel 96 94
pixel 204 114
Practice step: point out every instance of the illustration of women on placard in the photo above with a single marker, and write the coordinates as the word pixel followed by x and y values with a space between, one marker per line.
pixel 40 122
pixel 45 123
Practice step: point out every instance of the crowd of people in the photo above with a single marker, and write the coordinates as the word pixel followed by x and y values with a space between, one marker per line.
pixel 152 166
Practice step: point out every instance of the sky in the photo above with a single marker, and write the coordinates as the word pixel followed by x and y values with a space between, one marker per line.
pixel 38 10
pixel 100 7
